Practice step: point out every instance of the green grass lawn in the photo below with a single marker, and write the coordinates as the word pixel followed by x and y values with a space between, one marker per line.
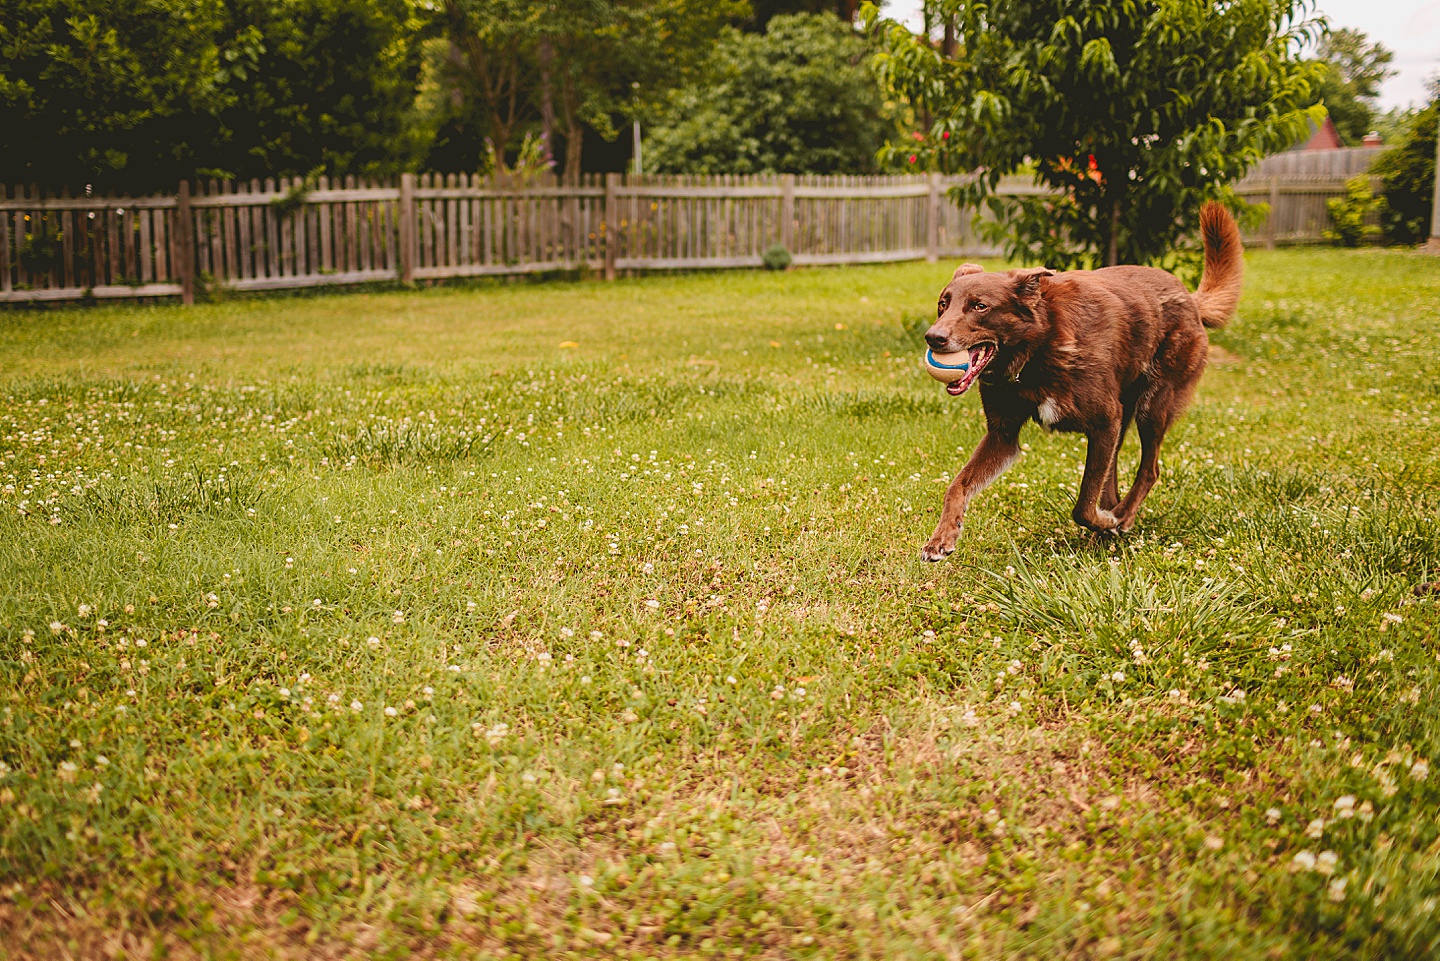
pixel 578 619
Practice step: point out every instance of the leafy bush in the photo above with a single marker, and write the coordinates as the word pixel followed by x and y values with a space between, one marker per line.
pixel 1348 215
pixel 776 257
pixel 797 99
pixel 1407 171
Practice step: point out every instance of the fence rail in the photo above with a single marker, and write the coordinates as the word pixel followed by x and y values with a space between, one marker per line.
pixel 277 234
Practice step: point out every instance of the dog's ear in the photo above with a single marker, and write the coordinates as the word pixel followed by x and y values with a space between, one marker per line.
pixel 1027 282
pixel 964 269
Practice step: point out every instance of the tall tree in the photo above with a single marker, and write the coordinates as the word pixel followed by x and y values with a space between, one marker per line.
pixel 489 42
pixel 1354 70
pixel 573 66
pixel 121 95
pixel 1132 114
pixel 329 83
pixel 799 99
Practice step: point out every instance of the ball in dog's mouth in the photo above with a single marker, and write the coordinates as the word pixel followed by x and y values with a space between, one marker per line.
pixel 979 356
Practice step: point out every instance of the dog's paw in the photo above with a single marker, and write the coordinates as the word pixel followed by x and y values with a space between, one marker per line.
pixel 936 550
pixel 1101 522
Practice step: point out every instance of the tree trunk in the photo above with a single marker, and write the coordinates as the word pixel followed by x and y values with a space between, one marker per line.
pixel 574 130
pixel 546 55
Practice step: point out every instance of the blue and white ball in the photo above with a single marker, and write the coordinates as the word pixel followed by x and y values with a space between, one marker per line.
pixel 947 368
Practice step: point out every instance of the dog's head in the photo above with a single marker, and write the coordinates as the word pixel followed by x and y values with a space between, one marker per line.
pixel 990 316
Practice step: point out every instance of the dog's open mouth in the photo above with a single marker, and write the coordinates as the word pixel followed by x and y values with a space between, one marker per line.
pixel 980 355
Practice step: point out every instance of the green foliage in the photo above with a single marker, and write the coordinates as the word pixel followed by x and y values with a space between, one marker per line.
pixel 1407 171
pixel 508 69
pixel 1133 114
pixel 328 83
pixel 1349 215
pixel 136 94
pixel 798 99
pixel 1354 70
pixel 122 94
pixel 776 257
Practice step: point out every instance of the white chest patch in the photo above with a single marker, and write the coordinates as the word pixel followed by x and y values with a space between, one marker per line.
pixel 1049 412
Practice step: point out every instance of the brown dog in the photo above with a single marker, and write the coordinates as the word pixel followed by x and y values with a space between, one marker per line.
pixel 1084 351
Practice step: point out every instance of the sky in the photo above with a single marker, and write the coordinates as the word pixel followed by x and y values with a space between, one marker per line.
pixel 1411 28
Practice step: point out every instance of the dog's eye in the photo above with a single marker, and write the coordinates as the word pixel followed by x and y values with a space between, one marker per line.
pixel 944 302
pixel 981 307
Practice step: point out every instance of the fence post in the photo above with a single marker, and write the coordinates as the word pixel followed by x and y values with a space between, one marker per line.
pixel 932 234
pixel 407 232
pixel 184 239
pixel 1273 217
pixel 612 224
pixel 1433 244
pixel 787 211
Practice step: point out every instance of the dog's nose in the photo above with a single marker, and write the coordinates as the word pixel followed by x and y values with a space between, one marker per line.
pixel 936 339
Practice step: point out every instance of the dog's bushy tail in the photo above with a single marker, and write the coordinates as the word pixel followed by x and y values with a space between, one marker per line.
pixel 1224 266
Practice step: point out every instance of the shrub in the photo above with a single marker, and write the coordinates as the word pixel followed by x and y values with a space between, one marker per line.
pixel 1407 171
pixel 1348 215
pixel 776 257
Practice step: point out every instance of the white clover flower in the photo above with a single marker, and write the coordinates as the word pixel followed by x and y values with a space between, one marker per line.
pixel 374 642
pixel 730 679
pixel 1303 861
pixel 56 627
pixel 67 771
pixel 1336 890
pixel 1272 816
pixel 1419 770
pixel 652 604
pixel 84 610
pixel 1325 863
pixel 1118 677
pixel 356 706
pixel 1214 843
pixel 398 617
pixel 585 679
pixel 1315 828
pixel 1345 806
pixel 391 712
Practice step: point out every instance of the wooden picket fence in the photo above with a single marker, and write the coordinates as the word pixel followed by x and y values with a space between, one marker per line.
pixel 286 233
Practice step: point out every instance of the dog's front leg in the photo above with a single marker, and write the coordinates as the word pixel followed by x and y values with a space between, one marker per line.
pixel 992 455
pixel 1100 447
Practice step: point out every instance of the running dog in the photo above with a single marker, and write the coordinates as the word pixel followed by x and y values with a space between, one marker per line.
pixel 1086 351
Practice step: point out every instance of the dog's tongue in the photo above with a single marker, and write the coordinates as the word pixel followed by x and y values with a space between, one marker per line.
pixel 955 388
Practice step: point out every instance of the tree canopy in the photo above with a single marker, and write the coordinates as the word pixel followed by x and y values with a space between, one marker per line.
pixel 799 98
pixel 135 94
pixel 1131 114
pixel 1354 70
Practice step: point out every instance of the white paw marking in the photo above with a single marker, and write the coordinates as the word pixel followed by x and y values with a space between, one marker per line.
pixel 1049 412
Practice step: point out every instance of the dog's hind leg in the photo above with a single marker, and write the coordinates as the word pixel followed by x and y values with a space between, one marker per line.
pixel 1110 496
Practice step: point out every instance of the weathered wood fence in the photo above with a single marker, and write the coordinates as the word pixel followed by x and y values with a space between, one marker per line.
pixel 287 234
